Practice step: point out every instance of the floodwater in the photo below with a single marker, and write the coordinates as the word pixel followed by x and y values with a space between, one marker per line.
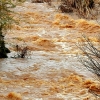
pixel 51 70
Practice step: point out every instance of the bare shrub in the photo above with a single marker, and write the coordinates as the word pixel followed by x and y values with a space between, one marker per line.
pixel 21 52
pixel 91 60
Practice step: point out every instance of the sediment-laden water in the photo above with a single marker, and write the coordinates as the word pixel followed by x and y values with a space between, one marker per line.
pixel 51 70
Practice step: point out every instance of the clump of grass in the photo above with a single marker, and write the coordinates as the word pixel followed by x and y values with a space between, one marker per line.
pixel 65 8
pixel 83 7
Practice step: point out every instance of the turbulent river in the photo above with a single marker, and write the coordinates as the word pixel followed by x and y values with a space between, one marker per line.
pixel 51 70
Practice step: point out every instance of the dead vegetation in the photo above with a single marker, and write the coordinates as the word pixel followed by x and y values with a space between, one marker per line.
pixel 91 60
pixel 65 8
pixel 21 52
pixel 92 56
pixel 37 1
pixel 42 1
pixel 83 7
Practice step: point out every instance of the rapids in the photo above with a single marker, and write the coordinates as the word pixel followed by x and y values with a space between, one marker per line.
pixel 51 70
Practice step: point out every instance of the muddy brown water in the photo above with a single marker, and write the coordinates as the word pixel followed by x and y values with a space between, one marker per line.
pixel 51 70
